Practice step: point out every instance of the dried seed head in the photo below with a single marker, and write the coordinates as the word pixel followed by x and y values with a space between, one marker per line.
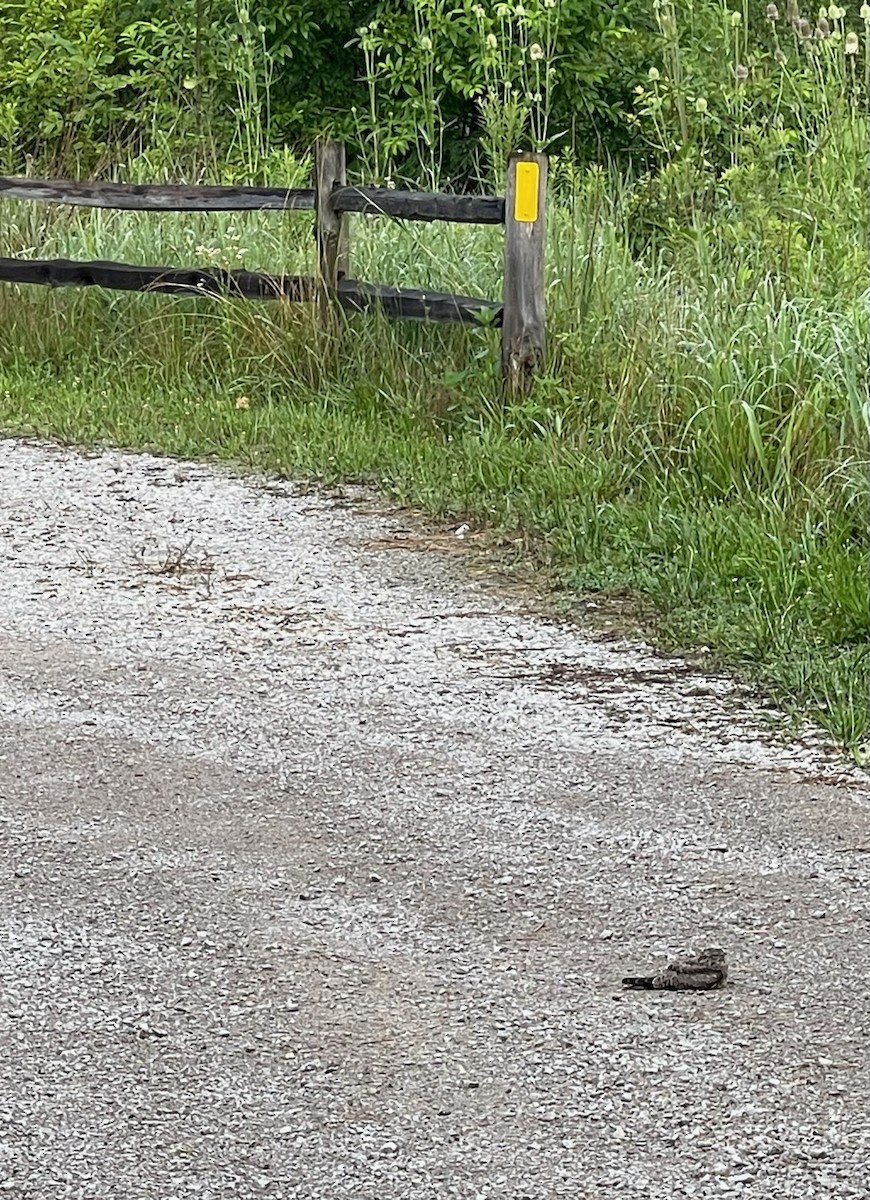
pixel 741 73
pixel 536 52
pixel 779 57
pixel 851 46
pixel 823 29
pixel 804 28
pixel 772 12
pixel 792 11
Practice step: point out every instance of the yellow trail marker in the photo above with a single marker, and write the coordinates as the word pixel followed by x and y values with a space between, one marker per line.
pixel 526 194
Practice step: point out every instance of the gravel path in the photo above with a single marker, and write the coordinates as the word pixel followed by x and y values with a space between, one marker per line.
pixel 322 858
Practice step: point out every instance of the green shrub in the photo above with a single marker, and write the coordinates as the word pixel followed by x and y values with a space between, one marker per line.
pixel 89 82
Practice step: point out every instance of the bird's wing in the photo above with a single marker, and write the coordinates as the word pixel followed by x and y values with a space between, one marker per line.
pixel 696 975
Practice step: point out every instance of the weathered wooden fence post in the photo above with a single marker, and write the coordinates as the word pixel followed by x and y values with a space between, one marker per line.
pixel 330 227
pixel 524 329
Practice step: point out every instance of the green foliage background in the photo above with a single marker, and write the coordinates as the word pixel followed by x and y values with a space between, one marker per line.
pixel 85 77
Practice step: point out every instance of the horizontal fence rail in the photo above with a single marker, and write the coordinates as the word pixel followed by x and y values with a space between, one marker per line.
pixel 419 206
pixel 192 281
pixel 522 213
pixel 158 197
pixel 408 304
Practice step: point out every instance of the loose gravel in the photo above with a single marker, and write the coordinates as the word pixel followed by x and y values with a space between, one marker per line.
pixel 323 855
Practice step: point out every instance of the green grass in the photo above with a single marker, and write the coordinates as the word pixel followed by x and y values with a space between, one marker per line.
pixel 699 441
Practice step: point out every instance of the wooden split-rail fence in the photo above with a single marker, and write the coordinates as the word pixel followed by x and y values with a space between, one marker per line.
pixel 522 210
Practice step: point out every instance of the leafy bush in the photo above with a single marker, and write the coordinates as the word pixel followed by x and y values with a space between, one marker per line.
pixel 90 81
pixel 316 64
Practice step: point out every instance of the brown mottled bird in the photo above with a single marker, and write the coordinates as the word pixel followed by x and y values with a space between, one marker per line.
pixel 703 972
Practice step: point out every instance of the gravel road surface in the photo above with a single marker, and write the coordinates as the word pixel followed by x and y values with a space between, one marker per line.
pixel 322 856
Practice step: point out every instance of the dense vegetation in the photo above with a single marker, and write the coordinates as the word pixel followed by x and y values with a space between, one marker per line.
pixel 699 441
pixel 83 78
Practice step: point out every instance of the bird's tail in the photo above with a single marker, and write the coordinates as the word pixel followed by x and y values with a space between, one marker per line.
pixel 646 982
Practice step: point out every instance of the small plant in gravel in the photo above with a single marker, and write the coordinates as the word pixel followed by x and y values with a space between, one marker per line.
pixel 179 563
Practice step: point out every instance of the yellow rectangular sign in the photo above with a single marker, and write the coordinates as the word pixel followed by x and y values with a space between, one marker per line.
pixel 526 191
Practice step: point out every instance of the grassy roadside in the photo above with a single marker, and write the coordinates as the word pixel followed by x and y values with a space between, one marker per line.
pixel 783 599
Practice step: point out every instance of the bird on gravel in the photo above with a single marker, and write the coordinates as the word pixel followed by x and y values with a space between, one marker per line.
pixel 699 973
